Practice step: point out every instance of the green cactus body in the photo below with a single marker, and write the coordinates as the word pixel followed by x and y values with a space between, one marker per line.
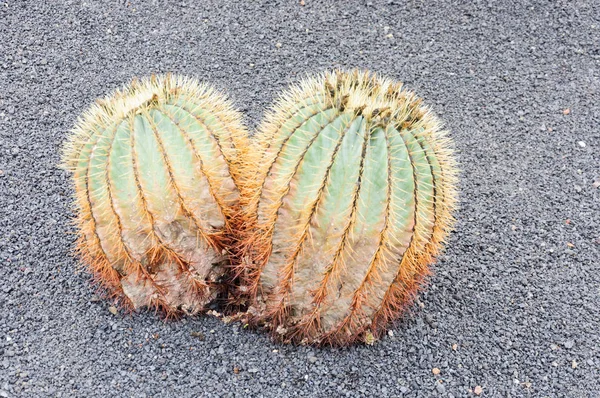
pixel 155 173
pixel 350 203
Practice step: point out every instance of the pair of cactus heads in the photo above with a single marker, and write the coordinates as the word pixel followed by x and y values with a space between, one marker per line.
pixel 320 228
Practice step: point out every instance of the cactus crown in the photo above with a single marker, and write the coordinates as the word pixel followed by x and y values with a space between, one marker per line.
pixel 155 169
pixel 349 195
pixel 143 95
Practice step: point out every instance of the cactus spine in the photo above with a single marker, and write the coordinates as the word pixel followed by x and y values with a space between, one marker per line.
pixel 350 190
pixel 155 170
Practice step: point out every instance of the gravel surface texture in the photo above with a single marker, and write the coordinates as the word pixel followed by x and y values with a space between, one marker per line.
pixel 513 308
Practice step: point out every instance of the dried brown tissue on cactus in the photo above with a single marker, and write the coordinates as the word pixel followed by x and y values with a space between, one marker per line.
pixel 155 170
pixel 349 193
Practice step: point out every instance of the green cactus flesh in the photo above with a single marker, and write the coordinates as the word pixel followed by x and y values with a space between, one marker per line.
pixel 350 203
pixel 155 172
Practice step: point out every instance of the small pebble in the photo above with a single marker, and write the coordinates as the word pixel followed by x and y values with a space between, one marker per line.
pixel 440 388
pixel 569 344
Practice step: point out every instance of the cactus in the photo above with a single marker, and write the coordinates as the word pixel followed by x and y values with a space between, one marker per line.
pixel 350 192
pixel 155 170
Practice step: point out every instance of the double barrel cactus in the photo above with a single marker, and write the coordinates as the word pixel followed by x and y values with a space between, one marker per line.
pixel 321 229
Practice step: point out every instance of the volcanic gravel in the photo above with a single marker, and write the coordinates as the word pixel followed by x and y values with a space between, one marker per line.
pixel 513 309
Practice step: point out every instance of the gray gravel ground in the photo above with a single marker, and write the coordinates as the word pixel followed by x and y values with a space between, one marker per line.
pixel 514 305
